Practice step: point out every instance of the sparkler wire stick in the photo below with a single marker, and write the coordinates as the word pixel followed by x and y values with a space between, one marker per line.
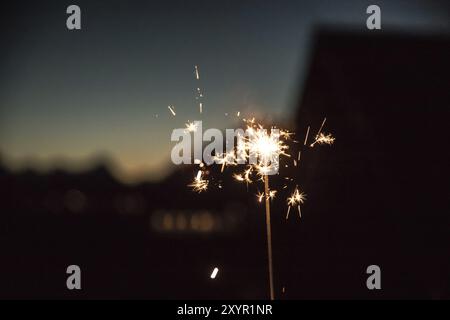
pixel 269 235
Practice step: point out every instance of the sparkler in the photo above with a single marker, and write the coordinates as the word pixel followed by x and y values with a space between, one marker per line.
pixel 197 76
pixel 266 148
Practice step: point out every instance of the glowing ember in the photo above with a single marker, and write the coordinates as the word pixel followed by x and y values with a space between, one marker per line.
pixel 261 149
pixel 214 273
pixel 260 196
pixel 197 76
pixel 296 199
pixel 171 108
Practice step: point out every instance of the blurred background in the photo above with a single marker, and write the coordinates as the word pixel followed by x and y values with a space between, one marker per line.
pixel 85 170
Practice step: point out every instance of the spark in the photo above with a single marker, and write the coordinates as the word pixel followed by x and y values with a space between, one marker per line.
pixel 214 273
pixel 285 134
pixel 197 76
pixel 191 127
pixel 306 136
pixel 321 126
pixel 323 138
pixel 250 121
pixel 296 199
pixel 247 175
pixel 260 196
pixel 244 176
pixel 272 194
pixel 239 113
pixel 199 91
pixel 227 158
pixel 263 171
pixel 172 110
pixel 318 132
pixel 199 184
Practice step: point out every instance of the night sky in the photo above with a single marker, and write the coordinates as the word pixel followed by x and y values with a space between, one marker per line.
pixel 68 97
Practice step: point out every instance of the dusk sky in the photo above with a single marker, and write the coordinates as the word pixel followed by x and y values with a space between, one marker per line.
pixel 104 90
